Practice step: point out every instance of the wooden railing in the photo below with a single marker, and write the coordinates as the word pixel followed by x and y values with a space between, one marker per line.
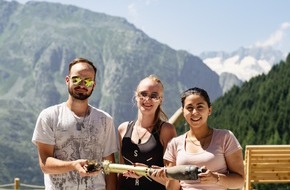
pixel 17 186
pixel 267 164
pixel 175 117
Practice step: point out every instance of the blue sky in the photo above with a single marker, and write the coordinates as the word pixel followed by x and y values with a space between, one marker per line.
pixel 202 25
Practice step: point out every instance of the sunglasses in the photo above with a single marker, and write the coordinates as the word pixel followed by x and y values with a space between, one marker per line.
pixel 77 81
pixel 146 96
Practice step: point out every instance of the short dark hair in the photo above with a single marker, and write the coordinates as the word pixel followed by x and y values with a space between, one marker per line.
pixel 195 90
pixel 81 60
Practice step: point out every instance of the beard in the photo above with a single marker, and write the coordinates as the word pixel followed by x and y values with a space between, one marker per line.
pixel 79 96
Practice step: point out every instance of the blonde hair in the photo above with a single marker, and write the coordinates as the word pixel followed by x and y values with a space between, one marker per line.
pixel 160 115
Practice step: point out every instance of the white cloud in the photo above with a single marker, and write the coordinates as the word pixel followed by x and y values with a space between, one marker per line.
pixel 276 37
pixel 243 67
pixel 285 25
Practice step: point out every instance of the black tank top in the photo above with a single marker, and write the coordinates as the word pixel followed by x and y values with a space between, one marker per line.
pixel 149 153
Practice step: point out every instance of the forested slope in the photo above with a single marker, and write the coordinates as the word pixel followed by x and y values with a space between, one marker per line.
pixel 258 111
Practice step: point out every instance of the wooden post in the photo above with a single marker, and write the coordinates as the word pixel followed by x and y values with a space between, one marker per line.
pixel 176 116
pixel 16 183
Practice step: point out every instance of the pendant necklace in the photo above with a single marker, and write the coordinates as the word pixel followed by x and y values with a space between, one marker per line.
pixel 140 138
pixel 81 125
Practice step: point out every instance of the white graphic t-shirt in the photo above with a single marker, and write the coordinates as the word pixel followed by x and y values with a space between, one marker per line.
pixel 95 139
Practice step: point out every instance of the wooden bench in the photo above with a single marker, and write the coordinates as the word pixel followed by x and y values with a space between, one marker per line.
pixel 267 164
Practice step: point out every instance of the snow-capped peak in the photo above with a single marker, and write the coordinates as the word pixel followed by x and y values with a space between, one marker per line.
pixel 245 63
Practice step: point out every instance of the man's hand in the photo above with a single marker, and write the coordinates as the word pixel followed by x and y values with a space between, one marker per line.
pixel 81 166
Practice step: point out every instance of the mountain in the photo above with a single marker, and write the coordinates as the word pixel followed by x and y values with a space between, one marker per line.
pixel 258 111
pixel 37 42
pixel 34 40
pixel 228 80
pixel 245 63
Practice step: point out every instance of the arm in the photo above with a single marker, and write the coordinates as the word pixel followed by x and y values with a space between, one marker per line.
pixel 171 184
pixel 109 154
pixel 111 179
pixel 121 132
pixel 232 180
pixel 51 165
pixel 168 131
pixel 235 178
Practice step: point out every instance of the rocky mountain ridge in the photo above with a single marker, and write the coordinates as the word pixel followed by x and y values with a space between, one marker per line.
pixel 244 63
pixel 37 42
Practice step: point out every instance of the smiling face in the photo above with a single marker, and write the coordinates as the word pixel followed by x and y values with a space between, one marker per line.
pixel 196 110
pixel 148 95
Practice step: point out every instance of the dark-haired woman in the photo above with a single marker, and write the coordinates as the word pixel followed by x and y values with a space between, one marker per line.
pixel 216 150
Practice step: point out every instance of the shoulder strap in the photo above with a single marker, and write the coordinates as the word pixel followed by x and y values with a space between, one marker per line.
pixel 129 129
pixel 155 132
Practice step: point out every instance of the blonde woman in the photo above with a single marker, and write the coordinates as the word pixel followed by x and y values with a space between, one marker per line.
pixel 145 140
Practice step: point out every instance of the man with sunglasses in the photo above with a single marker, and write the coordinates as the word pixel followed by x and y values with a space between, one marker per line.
pixel 69 134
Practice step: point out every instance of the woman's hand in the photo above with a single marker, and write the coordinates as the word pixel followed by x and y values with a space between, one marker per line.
pixel 133 174
pixel 159 174
pixel 208 176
